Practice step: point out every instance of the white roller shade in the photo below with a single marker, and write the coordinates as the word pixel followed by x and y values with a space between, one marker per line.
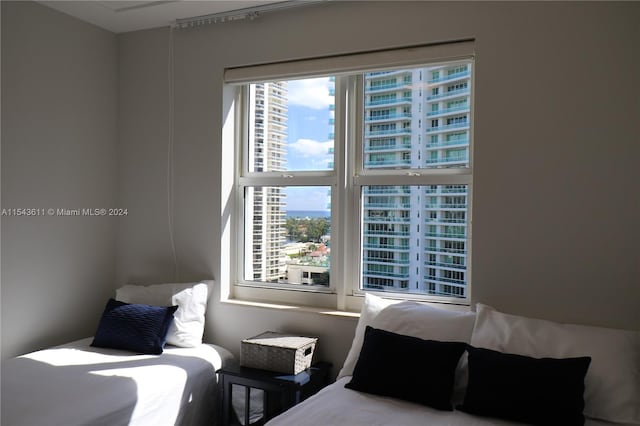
pixel 351 63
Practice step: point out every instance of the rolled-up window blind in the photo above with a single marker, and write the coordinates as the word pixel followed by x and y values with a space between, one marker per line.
pixel 351 63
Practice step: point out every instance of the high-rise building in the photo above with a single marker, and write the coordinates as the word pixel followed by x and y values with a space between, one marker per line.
pixel 268 112
pixel 415 237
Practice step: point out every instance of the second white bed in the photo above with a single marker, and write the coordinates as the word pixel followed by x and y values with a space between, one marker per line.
pixel 337 406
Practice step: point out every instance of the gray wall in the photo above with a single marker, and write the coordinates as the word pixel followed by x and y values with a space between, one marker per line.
pixel 59 111
pixel 556 125
pixel 556 200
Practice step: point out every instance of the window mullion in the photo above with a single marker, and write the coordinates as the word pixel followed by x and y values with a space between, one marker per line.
pixel 342 234
pixel 354 113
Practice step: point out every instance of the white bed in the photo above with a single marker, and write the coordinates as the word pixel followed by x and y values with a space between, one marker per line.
pixel 415 364
pixel 337 406
pixel 77 384
pixel 146 365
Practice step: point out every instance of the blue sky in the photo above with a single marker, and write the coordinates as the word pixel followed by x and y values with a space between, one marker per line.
pixel 308 139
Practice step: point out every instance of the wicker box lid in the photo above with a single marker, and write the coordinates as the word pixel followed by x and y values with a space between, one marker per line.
pixel 285 353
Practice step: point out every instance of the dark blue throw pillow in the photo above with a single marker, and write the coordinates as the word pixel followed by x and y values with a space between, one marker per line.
pixel 407 367
pixel 134 327
pixel 537 391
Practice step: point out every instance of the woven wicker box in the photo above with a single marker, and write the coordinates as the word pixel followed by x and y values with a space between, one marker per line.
pixel 284 353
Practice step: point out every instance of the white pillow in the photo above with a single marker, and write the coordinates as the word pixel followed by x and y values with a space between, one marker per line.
pixel 426 322
pixel 408 318
pixel 612 383
pixel 188 323
pixel 370 309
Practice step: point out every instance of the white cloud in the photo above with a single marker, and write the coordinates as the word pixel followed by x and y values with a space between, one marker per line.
pixel 311 93
pixel 310 148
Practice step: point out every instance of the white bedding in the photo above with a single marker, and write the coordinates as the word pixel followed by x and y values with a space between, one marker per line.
pixel 76 384
pixel 337 406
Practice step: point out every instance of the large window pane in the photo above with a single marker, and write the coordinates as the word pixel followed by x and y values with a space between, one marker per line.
pixel 417 118
pixel 404 148
pixel 288 235
pixel 291 125
pixel 414 239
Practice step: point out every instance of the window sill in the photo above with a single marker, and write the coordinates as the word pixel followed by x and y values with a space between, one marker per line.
pixel 292 307
pixel 354 302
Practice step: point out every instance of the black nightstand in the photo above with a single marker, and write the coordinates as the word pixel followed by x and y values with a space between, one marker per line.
pixel 252 397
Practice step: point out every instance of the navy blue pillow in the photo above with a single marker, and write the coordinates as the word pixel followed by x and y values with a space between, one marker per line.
pixel 406 367
pixel 538 391
pixel 134 327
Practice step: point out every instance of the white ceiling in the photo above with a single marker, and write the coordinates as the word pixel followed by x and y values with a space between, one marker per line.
pixel 123 16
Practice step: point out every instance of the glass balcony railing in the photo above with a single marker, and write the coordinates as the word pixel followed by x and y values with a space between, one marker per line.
pixel 387 219
pixel 448 126
pixel 446 265
pixel 450 77
pixel 377 73
pixel 376 232
pixel 446 206
pixel 444 280
pixel 385 260
pixel 385 247
pixel 389 205
pixel 454 235
pixel 386 117
pixel 462 190
pixel 447 111
pixel 445 190
pixel 389 72
pixel 451 159
pixel 378 102
pixel 457 92
pixel 387 132
pixel 445 220
pixel 445 250
pixel 381 87
pixel 390 162
pixel 460 142
pixel 388 147
pixel 387 190
pixel 385 274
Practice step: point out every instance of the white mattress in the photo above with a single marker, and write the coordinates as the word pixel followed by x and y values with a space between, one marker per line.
pixel 76 384
pixel 337 406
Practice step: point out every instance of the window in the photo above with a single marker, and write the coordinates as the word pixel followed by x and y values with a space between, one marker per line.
pixel 342 190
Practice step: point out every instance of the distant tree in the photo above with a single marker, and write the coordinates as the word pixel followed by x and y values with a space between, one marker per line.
pixel 307 229
pixel 317 228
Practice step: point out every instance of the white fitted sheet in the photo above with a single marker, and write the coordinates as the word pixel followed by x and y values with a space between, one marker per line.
pixel 337 406
pixel 76 384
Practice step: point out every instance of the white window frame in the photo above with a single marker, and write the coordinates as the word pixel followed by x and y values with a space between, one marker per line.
pixel 348 176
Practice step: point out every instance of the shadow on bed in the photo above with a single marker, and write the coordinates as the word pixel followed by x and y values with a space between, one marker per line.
pixel 34 392
pixel 160 389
